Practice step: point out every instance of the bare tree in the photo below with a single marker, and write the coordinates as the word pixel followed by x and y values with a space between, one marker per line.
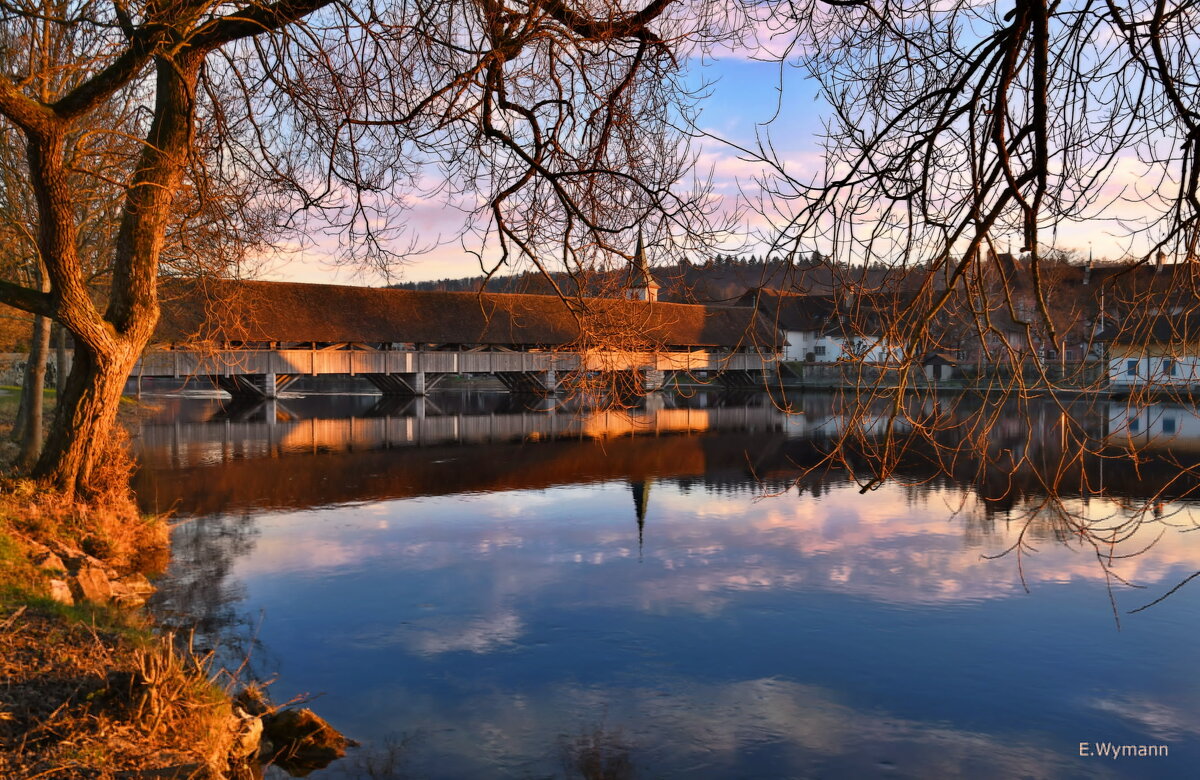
pixel 962 141
pixel 957 128
pixel 557 119
pixel 36 47
pixel 19 260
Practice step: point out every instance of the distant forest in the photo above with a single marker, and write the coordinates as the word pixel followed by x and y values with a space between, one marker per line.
pixel 721 279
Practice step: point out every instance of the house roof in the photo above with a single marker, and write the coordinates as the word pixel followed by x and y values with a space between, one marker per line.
pixel 867 314
pixel 225 310
pixel 1156 329
pixel 793 312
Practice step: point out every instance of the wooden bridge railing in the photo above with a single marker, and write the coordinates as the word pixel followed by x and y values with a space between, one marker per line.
pixel 183 363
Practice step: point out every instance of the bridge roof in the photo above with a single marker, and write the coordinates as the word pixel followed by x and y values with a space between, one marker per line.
pixel 251 311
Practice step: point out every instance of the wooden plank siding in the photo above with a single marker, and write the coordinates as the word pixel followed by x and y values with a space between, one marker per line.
pixel 188 363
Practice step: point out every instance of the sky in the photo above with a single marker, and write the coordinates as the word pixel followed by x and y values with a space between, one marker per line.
pixel 744 95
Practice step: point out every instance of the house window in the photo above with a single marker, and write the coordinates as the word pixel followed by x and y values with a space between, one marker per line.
pixel 1131 367
pixel 1134 425
pixel 819 349
pixel 1168 367
pixel 1168 425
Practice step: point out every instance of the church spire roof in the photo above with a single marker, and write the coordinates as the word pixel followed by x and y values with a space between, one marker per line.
pixel 642 286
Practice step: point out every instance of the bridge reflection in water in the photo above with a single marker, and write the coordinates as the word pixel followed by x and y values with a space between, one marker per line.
pixel 271 427
pixel 224 457
pixel 210 456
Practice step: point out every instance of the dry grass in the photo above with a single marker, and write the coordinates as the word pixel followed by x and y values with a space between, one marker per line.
pixel 88 702
pixel 89 691
pixel 107 526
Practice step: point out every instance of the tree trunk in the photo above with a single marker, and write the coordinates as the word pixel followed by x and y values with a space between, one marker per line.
pixel 32 394
pixel 107 346
pixel 83 418
pixel 27 430
pixel 19 422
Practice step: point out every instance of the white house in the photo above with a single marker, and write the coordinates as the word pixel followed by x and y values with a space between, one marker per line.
pixel 826 328
pixel 1162 352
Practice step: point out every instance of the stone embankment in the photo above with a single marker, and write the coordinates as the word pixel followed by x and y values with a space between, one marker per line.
pixel 74 577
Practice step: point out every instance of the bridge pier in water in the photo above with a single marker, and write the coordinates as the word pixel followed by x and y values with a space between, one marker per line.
pixel 745 380
pixel 531 382
pixel 254 386
pixel 416 383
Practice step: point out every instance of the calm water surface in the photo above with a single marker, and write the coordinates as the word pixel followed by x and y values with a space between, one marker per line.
pixel 478 589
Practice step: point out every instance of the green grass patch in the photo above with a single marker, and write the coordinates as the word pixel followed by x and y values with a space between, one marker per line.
pixel 10 399
pixel 20 580
pixel 130 624
pixel 48 392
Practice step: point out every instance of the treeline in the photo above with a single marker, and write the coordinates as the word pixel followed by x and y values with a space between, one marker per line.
pixel 720 279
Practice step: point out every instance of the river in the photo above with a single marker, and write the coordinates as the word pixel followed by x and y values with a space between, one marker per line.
pixel 476 586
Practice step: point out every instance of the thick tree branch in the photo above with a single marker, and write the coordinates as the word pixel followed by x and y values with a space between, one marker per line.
pixel 26 299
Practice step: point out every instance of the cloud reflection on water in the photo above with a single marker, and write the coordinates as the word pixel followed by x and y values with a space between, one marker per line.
pixel 700 551
pixel 708 730
pixel 834 633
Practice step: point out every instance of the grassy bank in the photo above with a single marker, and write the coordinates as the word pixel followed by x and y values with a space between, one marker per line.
pixel 91 691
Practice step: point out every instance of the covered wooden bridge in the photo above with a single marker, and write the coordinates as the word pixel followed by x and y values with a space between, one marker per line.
pixel 254 338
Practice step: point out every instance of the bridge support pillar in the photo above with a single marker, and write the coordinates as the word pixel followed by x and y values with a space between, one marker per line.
pixel 535 382
pixel 254 386
pixel 418 384
pixel 652 380
pixel 743 380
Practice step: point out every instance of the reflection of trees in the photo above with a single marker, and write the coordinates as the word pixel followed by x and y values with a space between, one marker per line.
pixel 1050 468
pixel 600 754
pixel 199 595
pixel 1004 452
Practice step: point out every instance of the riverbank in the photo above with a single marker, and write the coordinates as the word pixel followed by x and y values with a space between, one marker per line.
pixel 91 690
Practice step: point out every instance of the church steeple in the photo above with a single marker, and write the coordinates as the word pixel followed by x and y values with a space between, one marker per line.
pixel 642 286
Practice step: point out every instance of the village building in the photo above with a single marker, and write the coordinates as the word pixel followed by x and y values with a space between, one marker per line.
pixel 1158 352
pixel 829 328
